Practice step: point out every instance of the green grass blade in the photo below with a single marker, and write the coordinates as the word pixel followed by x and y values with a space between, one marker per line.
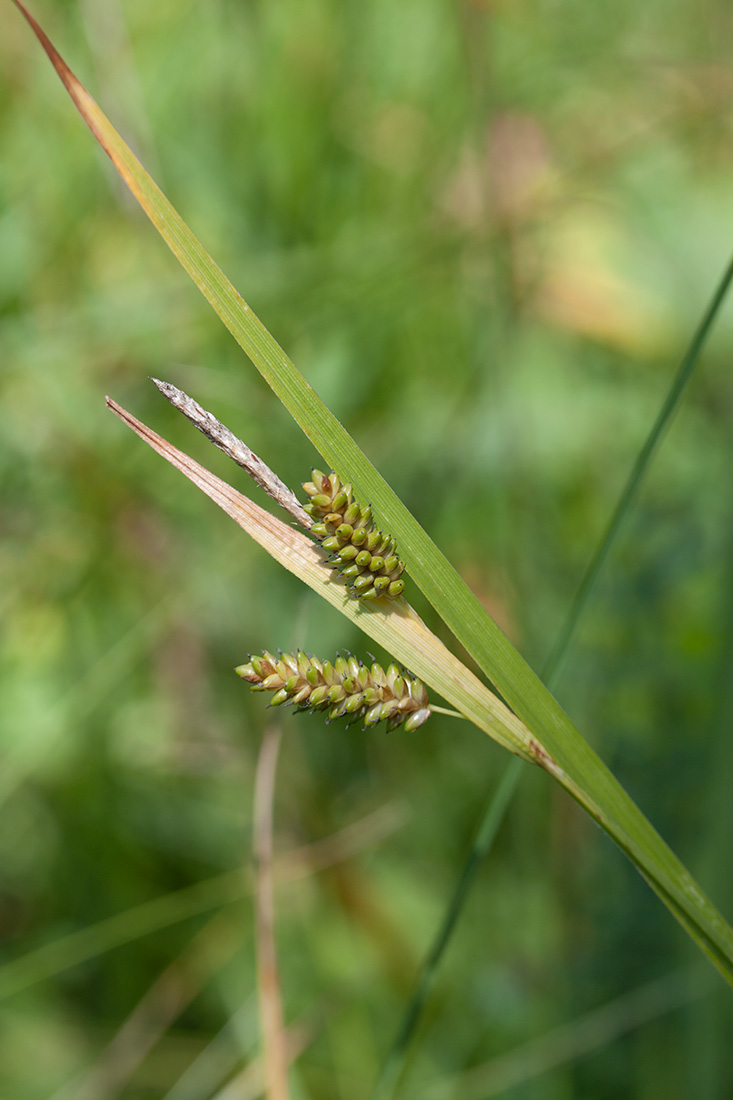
pixel 500 799
pixel 574 763
pixel 152 916
pixel 213 893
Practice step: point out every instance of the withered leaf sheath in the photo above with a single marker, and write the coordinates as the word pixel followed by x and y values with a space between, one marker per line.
pixel 344 689
pixel 363 555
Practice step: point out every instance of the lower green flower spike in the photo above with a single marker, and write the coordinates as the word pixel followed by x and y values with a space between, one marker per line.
pixel 344 689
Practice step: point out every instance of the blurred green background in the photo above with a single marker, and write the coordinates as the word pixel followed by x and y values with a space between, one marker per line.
pixel 485 232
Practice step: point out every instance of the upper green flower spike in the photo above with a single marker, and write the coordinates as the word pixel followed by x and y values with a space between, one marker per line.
pixel 362 554
pixel 346 688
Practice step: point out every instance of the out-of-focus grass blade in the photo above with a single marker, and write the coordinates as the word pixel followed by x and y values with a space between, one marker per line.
pixel 87 943
pixel 500 799
pixel 587 779
pixel 567 1043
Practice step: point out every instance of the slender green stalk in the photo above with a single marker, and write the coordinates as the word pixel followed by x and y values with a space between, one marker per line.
pixel 447 711
pixel 499 801
pixel 485 836
pixel 709 1025
pixel 631 488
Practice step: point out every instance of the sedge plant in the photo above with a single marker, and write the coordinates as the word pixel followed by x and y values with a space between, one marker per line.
pixel 523 717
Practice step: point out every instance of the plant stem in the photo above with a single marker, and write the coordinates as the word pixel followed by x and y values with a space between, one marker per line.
pixel 499 801
pixel 446 710
pixel 487 831
pixel 669 407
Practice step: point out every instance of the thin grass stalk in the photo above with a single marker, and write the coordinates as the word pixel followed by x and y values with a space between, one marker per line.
pixel 500 799
pixel 630 490
pixel 709 1026
pixel 249 1083
pixel 489 827
pixel 268 973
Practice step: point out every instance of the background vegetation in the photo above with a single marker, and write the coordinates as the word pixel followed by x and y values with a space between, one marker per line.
pixel 484 232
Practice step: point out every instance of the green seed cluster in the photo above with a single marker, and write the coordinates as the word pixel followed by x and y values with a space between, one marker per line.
pixel 364 556
pixel 345 689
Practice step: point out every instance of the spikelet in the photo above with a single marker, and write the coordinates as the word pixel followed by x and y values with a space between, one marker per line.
pixel 364 556
pixel 344 689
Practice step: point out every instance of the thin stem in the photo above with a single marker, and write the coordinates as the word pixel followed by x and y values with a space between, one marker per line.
pixel 488 829
pixel 446 710
pixel 268 976
pixel 669 407
pixel 499 801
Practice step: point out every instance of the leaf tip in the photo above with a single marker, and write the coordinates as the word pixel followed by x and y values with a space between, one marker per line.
pixel 74 87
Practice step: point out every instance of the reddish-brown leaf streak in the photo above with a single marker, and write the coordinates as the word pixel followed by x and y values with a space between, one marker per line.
pixel 542 756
